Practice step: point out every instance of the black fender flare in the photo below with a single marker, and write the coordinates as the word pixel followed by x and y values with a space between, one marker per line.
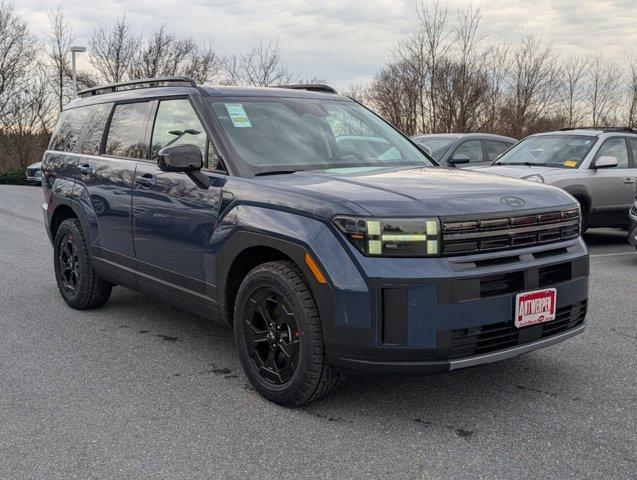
pixel 242 240
pixel 59 201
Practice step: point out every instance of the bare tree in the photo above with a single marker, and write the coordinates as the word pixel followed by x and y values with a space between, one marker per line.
pixel 59 39
pixel 631 84
pixel 497 63
pixel 262 65
pixel 532 85
pixel 463 81
pixel 17 54
pixel 112 52
pixel 395 94
pixel 602 89
pixel 204 63
pixel 574 69
pixel 435 31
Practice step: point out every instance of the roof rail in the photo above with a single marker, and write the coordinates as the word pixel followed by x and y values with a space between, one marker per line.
pixel 603 129
pixel 139 83
pixel 311 87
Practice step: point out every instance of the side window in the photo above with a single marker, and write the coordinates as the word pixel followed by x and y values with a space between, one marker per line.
pixel 632 143
pixel 94 130
pixel 69 130
pixel 495 149
pixel 177 123
pixel 127 132
pixel 615 147
pixel 471 148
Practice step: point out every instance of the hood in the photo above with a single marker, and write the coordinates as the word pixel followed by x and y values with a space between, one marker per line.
pixel 424 191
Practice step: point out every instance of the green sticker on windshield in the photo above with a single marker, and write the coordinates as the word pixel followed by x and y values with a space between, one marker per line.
pixel 238 115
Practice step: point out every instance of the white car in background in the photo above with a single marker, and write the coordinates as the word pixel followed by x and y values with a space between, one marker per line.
pixel 597 166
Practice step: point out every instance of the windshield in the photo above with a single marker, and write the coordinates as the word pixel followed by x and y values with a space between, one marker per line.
pixel 561 151
pixel 288 134
pixel 437 146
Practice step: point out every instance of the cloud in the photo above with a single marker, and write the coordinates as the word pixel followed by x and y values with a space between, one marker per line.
pixel 347 42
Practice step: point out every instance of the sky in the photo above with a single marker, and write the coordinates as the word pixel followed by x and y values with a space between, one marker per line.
pixel 346 42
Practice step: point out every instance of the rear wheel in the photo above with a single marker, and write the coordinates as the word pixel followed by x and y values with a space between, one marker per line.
pixel 80 287
pixel 278 332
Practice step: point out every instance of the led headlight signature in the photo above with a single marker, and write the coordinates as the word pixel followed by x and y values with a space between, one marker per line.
pixel 392 237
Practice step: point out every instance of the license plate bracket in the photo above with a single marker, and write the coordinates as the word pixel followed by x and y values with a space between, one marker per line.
pixel 533 308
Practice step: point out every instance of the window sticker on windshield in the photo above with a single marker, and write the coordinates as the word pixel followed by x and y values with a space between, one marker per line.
pixel 238 115
pixel 570 163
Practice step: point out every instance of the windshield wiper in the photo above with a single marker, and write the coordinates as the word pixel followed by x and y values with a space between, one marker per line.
pixel 527 164
pixel 275 172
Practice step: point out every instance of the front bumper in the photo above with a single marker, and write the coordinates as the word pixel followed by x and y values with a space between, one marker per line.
pixel 460 316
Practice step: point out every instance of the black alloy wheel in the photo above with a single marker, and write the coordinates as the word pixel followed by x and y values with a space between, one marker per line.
pixel 69 264
pixel 279 335
pixel 272 335
pixel 79 285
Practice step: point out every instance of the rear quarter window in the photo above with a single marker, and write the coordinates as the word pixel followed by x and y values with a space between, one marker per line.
pixel 69 130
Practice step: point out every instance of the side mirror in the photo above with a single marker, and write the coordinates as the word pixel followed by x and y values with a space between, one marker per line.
pixel 180 158
pixel 606 161
pixel 459 158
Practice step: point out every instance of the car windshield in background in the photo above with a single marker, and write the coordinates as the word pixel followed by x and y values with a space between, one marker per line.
pixel 437 146
pixel 288 134
pixel 560 151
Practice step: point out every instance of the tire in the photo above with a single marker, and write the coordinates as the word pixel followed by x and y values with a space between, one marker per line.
pixel 584 209
pixel 278 333
pixel 79 286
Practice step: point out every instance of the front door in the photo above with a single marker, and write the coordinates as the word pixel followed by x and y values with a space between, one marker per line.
pixel 613 189
pixel 173 218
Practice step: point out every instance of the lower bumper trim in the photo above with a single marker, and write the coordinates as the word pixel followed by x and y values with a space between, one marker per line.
pixel 380 366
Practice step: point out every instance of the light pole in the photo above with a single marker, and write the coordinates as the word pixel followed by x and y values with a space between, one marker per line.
pixel 73 51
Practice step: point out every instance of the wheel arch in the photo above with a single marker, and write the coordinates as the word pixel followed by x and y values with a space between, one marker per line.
pixel 247 249
pixel 63 210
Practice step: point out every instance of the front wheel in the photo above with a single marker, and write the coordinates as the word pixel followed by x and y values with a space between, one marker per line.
pixel 278 332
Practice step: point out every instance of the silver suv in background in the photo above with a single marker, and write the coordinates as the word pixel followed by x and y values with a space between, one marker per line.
pixel 597 166
pixel 464 149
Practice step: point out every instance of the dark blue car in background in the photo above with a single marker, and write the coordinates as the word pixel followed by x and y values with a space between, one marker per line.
pixel 327 238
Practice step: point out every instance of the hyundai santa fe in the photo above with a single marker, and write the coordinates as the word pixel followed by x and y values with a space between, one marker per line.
pixel 327 239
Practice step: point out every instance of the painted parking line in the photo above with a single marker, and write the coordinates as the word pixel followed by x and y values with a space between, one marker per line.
pixel 613 254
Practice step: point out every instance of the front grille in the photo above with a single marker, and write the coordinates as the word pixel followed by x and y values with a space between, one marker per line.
pixel 467 342
pixel 461 237
pixel 31 171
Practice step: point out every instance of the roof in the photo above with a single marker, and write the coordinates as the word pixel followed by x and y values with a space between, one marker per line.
pixel 172 86
pixel 458 136
pixel 589 132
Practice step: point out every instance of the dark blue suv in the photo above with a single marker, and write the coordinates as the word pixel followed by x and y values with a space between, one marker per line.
pixel 328 239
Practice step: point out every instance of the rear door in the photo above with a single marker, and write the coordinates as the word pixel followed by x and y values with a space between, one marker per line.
pixel 108 177
pixel 173 218
pixel 612 189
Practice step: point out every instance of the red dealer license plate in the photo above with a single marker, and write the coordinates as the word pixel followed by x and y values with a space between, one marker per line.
pixel 535 307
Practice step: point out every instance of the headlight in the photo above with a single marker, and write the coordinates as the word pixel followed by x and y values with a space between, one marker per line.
pixel 534 178
pixel 392 237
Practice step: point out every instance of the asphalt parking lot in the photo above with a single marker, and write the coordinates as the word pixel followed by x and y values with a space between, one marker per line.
pixel 137 389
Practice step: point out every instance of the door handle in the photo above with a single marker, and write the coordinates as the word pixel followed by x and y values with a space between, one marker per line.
pixel 146 180
pixel 86 169
pixel 629 180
